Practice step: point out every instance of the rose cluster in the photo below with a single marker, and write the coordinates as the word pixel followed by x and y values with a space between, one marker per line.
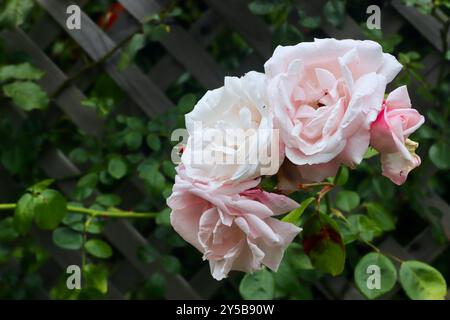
pixel 319 105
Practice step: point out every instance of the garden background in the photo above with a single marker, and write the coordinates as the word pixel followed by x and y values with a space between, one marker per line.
pixel 94 109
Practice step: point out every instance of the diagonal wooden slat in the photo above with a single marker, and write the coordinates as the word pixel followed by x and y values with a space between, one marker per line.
pixel 249 26
pixel 97 45
pixel 181 45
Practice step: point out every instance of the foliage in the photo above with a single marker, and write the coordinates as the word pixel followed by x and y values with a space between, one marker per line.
pixel 129 166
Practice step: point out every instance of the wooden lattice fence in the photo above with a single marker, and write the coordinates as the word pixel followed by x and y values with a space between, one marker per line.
pixel 185 51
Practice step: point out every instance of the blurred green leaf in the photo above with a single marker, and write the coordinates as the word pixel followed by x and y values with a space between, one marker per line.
pixel 371 284
pixel 334 12
pixel 259 285
pixel 364 227
pixel 117 167
pixel 323 244
pixel 108 200
pixel 343 177
pixel 163 217
pixel 24 214
pixel 154 142
pixel 67 239
pixel 96 277
pixel 294 215
pixel 50 209
pixel 23 71
pixel 186 103
pixel 171 264
pixel 421 281
pixel 133 140
pixel 381 216
pixel 26 95
pixel 347 200
pixel 439 154
pixel 98 248
pixel 147 254
pixel 262 7
pixel 136 43
pixel 14 12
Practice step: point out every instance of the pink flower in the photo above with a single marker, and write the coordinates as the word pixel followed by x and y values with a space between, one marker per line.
pixel 233 225
pixel 325 95
pixel 231 136
pixel 389 133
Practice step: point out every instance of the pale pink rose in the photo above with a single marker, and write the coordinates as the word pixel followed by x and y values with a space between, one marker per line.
pixel 325 95
pixel 233 225
pixel 389 133
pixel 231 136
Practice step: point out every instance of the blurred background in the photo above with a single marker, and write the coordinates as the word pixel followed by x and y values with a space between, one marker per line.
pixel 94 109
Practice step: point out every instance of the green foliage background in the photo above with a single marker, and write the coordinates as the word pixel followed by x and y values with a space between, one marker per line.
pixel 364 210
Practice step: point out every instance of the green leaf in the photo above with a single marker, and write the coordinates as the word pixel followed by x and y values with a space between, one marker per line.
pixel 156 32
pixel 108 200
pixel 323 244
pixel 381 216
pixel 96 277
pixel 133 140
pixel 24 71
pixel 366 275
pixel 261 7
pixel 136 43
pixel 364 227
pixel 94 227
pixel 7 230
pixel 149 171
pixel 86 185
pixel 421 281
pixel 50 209
pixel 169 169
pixel 334 12
pixel 447 55
pixel 347 200
pixel 26 95
pixel 439 154
pixel 24 214
pixel 294 215
pixel 371 152
pixel 154 142
pixel 163 217
pixel 67 239
pixel 15 12
pixel 79 155
pixel 186 103
pixel 98 248
pixel 258 286
pixel 156 285
pixel 147 254
pixel 171 264
pixel 117 168
pixel 308 22
pixel 343 177
pixel 41 186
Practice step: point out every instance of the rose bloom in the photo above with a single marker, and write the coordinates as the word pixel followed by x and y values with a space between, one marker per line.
pixel 234 121
pixel 389 134
pixel 233 226
pixel 325 95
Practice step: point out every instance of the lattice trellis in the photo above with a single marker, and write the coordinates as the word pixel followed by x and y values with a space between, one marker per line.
pixel 185 51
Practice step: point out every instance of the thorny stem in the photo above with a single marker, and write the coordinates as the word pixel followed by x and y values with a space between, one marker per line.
pixel 116 213
pixel 378 250
pixel 7 206
pixel 83 250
